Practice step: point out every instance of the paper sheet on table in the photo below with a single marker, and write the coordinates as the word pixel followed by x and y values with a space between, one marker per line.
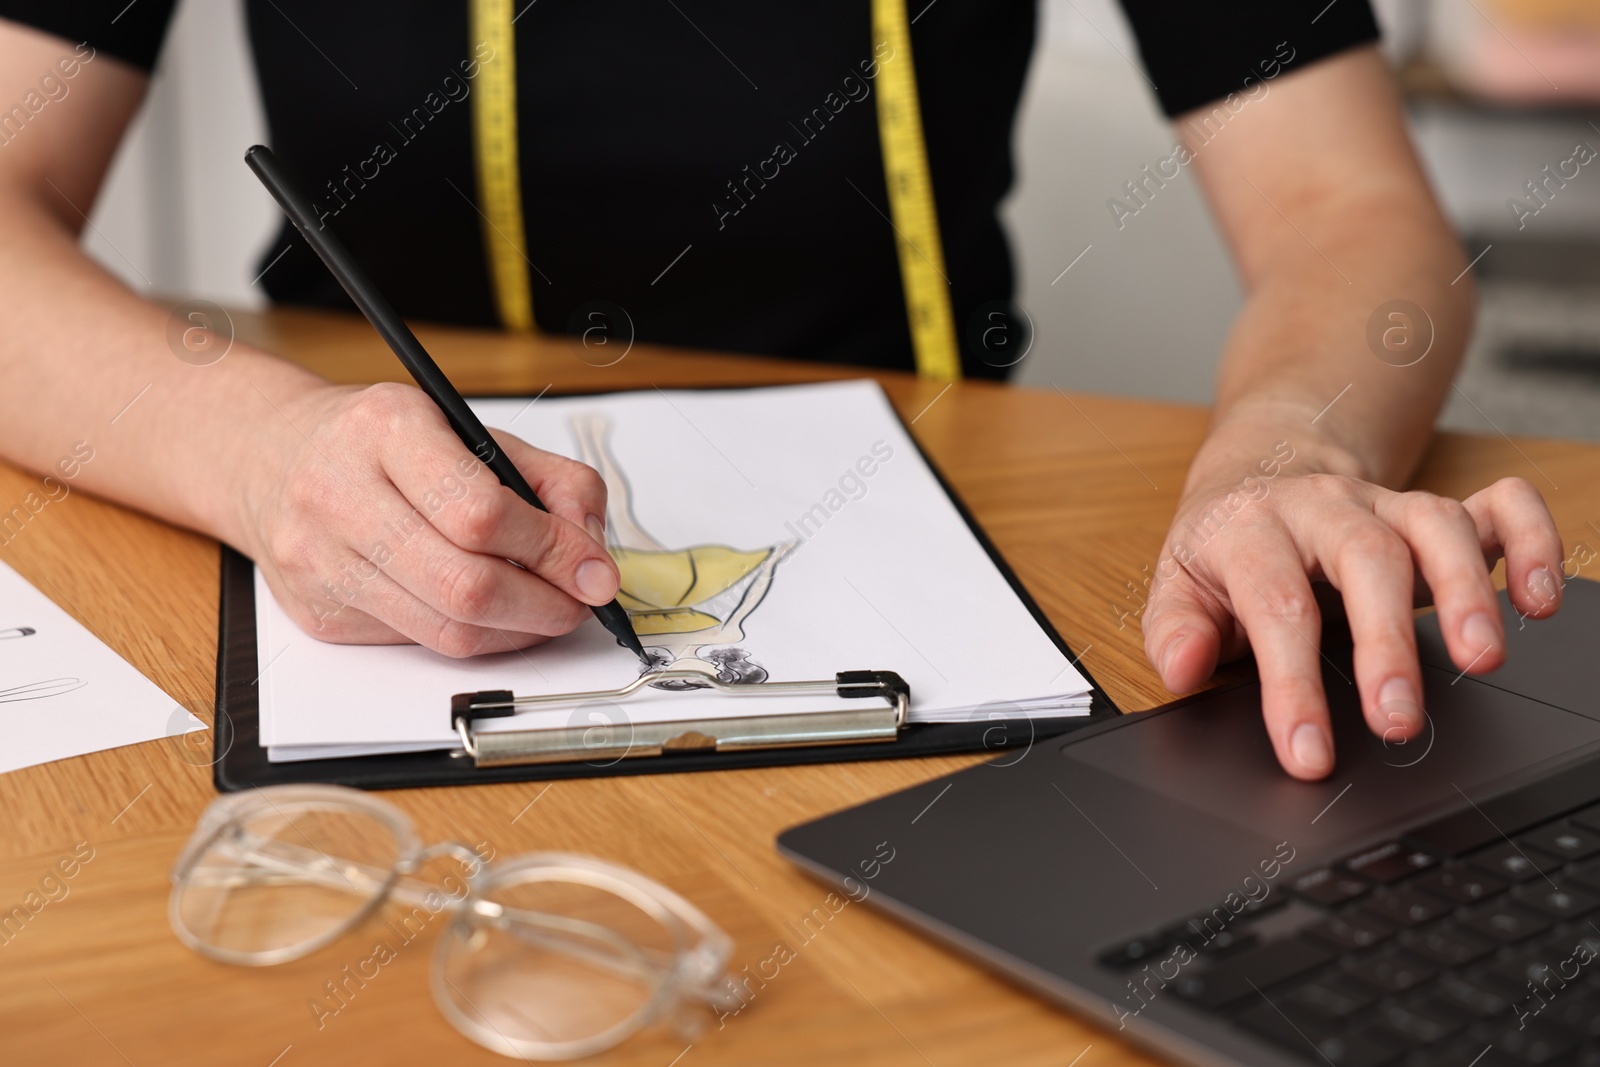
pixel 810 501
pixel 63 692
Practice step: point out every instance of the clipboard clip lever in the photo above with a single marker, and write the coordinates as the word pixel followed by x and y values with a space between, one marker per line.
pixel 602 740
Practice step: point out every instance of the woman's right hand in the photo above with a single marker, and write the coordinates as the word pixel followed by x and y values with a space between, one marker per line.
pixel 374 524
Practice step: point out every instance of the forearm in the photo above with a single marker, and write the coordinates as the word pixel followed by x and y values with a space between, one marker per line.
pixel 85 360
pixel 1298 365
pixel 1329 217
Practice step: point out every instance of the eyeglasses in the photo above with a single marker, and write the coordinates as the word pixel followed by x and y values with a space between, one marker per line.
pixel 544 956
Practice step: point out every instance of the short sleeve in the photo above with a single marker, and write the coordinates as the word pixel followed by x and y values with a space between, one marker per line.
pixel 131 31
pixel 1197 51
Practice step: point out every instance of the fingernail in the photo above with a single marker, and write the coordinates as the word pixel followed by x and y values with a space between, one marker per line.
pixel 596 581
pixel 1398 704
pixel 1543 587
pixel 596 528
pixel 1311 749
pixel 1168 653
pixel 1480 632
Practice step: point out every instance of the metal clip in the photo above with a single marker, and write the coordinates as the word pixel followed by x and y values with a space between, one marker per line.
pixel 569 744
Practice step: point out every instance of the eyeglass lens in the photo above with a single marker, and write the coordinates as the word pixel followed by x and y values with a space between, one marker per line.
pixel 280 878
pixel 568 961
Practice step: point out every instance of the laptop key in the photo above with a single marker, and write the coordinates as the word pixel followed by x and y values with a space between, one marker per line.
pixel 1581 1013
pixel 1482 999
pixel 1447 945
pixel 1506 922
pixel 1459 1051
pixel 1255 969
pixel 1392 971
pixel 1351 931
pixel 1589 818
pixel 1552 963
pixel 1336 996
pixel 1135 952
pixel 1577 1009
pixel 1206 935
pixel 1320 1043
pixel 1390 862
pixel 1405 906
pixel 1584 934
pixel 1569 842
pixel 1556 903
pixel 1519 972
pixel 1464 885
pixel 1584 874
pixel 1329 887
pixel 1516 862
pixel 1535 1043
pixel 1423 1022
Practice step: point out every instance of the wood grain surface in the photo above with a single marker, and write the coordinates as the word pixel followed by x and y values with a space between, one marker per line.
pixel 1075 490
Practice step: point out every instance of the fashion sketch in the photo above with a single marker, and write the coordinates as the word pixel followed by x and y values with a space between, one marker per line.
pixel 35 690
pixel 40 690
pixel 688 605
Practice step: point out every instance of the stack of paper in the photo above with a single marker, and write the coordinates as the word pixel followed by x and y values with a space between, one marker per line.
pixel 786 534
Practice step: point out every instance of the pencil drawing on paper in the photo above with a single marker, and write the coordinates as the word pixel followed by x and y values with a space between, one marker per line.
pixel 40 690
pixel 688 605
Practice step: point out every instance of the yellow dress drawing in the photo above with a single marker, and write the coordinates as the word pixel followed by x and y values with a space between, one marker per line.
pixel 686 604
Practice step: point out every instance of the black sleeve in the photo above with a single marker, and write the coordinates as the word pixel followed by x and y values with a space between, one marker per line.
pixel 130 31
pixel 1197 51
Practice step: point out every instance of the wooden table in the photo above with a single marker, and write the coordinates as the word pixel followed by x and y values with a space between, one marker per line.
pixel 1074 490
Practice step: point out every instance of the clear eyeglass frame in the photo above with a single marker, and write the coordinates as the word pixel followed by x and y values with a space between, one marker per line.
pixel 277 873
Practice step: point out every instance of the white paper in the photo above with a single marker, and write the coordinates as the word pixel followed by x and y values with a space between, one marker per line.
pixel 63 692
pixel 861 570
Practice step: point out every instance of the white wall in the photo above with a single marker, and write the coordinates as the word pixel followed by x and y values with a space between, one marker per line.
pixel 179 204
pixel 1147 307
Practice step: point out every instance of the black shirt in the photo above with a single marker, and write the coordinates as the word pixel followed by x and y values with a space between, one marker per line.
pixel 637 122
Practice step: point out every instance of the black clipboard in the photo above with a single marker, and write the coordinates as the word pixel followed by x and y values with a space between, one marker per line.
pixel 240 762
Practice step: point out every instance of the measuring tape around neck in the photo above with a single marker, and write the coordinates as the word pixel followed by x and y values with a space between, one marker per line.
pixel 916 225
pixel 494 135
pixel 905 170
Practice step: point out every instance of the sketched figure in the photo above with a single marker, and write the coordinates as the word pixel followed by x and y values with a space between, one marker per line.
pixel 35 690
pixel 684 601
pixel 40 690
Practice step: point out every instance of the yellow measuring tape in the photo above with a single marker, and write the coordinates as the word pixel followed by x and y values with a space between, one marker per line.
pixel 494 130
pixel 905 171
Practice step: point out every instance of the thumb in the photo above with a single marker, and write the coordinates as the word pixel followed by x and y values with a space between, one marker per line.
pixel 1182 639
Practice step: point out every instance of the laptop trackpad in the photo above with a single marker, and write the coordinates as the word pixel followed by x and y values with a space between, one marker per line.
pixel 1215 756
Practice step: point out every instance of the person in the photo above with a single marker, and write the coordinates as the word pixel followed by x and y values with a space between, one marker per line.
pixel 654 175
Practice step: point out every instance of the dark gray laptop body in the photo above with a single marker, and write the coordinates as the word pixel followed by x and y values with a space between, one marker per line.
pixel 1042 862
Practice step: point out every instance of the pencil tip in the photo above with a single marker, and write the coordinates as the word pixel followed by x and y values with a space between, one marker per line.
pixel 637 647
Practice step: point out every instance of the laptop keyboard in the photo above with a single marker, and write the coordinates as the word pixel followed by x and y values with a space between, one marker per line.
pixel 1472 942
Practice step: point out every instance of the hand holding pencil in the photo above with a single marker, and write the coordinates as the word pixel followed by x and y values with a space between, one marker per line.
pixel 501 570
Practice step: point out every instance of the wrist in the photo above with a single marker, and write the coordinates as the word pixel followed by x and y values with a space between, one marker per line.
pixel 1263 439
pixel 283 405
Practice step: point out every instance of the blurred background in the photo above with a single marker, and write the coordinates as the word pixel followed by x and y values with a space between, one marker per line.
pixel 1496 90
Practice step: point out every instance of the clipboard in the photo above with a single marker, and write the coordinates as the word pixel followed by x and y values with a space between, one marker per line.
pixel 239 761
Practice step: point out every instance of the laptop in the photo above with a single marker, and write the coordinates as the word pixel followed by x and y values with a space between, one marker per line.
pixel 1435 901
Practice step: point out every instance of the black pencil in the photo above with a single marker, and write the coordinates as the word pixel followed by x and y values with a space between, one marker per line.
pixel 429 377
